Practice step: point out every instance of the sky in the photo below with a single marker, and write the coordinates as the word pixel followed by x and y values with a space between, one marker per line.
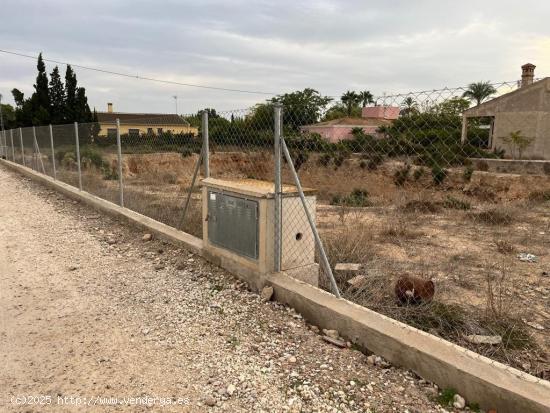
pixel 395 46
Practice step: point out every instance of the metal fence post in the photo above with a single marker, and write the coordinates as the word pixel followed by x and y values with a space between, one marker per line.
pixel 318 241
pixel 205 144
pixel 22 147
pixel 37 154
pixel 53 153
pixel 78 156
pixel 119 154
pixel 278 192
pixel 12 148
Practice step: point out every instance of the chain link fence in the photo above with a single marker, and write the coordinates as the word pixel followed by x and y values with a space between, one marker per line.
pixel 428 207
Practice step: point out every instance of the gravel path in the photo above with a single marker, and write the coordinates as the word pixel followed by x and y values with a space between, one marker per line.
pixel 90 311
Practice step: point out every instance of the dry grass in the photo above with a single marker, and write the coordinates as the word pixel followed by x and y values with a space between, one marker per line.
pixel 504 247
pixel 421 207
pixel 494 216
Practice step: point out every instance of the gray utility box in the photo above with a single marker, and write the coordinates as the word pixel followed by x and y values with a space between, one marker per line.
pixel 239 226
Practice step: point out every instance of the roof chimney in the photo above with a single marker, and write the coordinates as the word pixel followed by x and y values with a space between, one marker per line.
pixel 110 107
pixel 527 74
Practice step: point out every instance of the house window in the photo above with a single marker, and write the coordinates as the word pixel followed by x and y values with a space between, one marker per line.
pixel 159 131
pixel 134 133
pixel 111 132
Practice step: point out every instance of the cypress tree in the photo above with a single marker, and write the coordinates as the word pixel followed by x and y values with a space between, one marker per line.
pixel 41 96
pixel 57 97
pixel 70 95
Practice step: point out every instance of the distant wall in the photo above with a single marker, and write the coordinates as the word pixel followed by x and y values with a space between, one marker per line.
pixel 143 129
pixel 336 133
pixel 511 166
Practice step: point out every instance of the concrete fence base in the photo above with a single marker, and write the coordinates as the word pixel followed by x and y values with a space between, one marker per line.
pixel 480 380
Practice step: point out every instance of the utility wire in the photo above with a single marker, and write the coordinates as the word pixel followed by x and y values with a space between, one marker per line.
pixel 150 79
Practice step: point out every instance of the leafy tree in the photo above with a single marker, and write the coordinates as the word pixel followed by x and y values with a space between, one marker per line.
pixel 57 97
pixel 518 143
pixel 339 110
pixel 8 114
pixel 452 107
pixel 18 96
pixel 302 107
pixel 365 97
pixel 479 91
pixel 350 100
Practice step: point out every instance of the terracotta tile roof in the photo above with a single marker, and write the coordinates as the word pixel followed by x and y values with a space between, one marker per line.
pixel 141 118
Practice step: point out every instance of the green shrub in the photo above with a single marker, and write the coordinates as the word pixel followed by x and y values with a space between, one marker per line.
pixel 357 198
pixel 467 174
pixel 454 203
pixel 93 156
pixel 438 174
pixel 401 175
pixel 419 173
pixel 339 160
pixel 186 153
pixel 324 159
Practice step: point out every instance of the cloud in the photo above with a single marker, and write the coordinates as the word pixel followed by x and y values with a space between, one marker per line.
pixel 392 46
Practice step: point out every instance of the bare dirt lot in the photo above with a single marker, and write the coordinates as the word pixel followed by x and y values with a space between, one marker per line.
pixel 90 310
pixel 466 234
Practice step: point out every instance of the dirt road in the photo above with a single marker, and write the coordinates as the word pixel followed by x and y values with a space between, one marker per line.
pixel 93 318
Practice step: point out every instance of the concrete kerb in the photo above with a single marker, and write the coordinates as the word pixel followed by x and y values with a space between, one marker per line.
pixel 477 378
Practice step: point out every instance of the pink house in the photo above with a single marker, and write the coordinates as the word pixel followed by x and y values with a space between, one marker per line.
pixel 371 119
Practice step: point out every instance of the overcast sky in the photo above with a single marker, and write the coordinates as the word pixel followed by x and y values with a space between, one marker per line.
pixel 273 46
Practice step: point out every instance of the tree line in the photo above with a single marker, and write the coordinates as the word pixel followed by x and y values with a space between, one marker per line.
pixel 52 102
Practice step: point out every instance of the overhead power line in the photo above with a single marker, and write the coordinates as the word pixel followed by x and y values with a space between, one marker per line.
pixel 138 77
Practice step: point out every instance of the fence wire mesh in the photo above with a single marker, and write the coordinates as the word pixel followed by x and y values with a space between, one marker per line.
pixel 432 207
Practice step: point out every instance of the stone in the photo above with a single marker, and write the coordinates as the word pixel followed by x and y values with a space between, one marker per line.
pixel 526 257
pixel 357 281
pixel 73 268
pixel 230 390
pixel 535 325
pixel 147 237
pixel 292 359
pixel 479 339
pixel 210 401
pixel 111 241
pixel 347 267
pixel 159 267
pixel 459 402
pixel 331 333
pixel 267 293
pixel 335 341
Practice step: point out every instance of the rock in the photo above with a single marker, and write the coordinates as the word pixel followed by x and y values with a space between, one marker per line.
pixel 292 359
pixel 267 293
pixel 159 266
pixel 534 325
pixel 230 390
pixel 210 401
pixel 335 341
pixel 357 281
pixel 331 333
pixel 459 402
pixel 478 339
pixel 545 274
pixel 526 257
pixel 147 237
pixel 347 267
pixel 73 268
pixel 111 241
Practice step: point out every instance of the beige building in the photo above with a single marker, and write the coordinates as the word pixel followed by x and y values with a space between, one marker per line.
pixel 136 124
pixel 526 110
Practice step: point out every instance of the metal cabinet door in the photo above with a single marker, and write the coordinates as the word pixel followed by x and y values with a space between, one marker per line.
pixel 233 223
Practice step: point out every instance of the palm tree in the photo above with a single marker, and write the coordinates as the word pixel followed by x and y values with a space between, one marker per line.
pixel 365 97
pixel 410 106
pixel 350 99
pixel 479 91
